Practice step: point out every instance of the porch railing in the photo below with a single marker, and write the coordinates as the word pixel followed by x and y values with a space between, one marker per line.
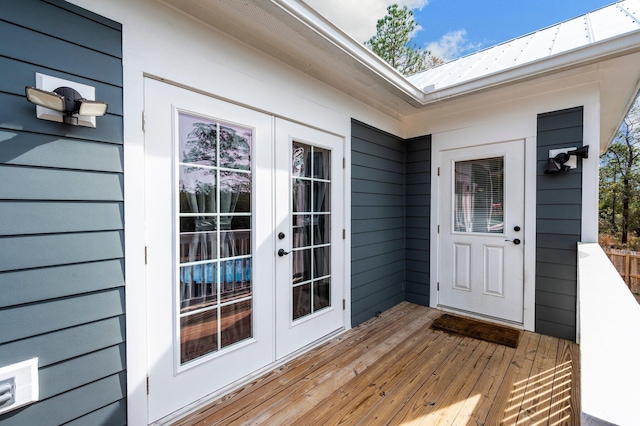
pixel 609 336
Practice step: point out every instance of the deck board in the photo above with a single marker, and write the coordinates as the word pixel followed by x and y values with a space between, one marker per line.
pixel 395 369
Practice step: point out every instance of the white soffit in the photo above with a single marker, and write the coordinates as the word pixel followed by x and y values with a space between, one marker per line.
pixel 608 23
pixel 292 32
pixel 297 35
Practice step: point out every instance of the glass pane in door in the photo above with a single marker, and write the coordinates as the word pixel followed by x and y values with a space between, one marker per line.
pixel 214 235
pixel 479 196
pixel 311 219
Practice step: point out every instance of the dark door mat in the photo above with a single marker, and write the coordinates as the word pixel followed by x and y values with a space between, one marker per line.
pixel 478 330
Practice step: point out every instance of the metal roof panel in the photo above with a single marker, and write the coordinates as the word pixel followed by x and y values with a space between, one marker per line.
pixel 571 35
pixel 509 54
pixel 540 46
pixel 611 21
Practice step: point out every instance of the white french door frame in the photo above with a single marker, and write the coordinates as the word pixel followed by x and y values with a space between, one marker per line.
pixel 135 272
pixel 293 335
pixel 447 142
pixel 173 384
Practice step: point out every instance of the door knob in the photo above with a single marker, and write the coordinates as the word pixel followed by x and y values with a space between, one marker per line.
pixel 281 252
pixel 515 241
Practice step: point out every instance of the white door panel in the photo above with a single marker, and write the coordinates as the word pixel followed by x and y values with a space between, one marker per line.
pixel 481 215
pixel 309 215
pixel 209 238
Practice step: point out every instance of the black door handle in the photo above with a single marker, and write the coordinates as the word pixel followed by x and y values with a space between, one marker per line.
pixel 281 252
pixel 515 241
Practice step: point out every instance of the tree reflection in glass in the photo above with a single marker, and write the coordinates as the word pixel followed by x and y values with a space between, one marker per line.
pixel 214 187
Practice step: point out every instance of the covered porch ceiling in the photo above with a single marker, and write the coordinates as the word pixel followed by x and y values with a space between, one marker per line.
pixel 295 34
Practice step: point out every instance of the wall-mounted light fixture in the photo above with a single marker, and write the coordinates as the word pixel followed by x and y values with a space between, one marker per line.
pixel 65 101
pixel 565 159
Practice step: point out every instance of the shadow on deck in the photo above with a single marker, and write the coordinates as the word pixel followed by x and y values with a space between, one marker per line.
pixel 396 370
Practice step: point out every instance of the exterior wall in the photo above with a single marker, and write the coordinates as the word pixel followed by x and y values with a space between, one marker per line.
pixel 61 204
pixel 85 214
pixel 378 221
pixel 510 114
pixel 418 189
pixel 161 42
pixel 559 225
pixel 390 204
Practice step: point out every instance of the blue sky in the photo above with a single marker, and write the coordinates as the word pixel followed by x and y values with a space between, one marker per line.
pixel 454 28
pixel 490 22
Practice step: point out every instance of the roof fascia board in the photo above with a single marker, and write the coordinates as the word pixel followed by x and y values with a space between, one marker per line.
pixel 348 45
pixel 613 47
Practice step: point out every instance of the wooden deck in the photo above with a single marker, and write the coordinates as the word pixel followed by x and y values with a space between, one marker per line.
pixel 395 370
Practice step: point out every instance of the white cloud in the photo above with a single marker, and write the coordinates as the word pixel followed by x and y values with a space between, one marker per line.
pixel 452 45
pixel 358 17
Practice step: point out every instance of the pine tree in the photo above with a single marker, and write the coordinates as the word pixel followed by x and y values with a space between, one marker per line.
pixel 392 42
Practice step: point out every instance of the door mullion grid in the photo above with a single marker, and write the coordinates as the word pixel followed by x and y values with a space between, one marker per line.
pixel 218 238
pixel 312 239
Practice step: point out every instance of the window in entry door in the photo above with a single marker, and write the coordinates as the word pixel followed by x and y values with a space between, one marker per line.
pixel 214 235
pixel 311 222
pixel 479 196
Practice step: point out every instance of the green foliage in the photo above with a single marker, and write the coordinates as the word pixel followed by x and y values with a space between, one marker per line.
pixel 392 42
pixel 234 153
pixel 620 181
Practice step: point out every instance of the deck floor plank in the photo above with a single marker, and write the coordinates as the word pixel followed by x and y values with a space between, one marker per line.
pixel 397 402
pixel 506 405
pixel 562 407
pixel 384 396
pixel 307 393
pixel 537 395
pixel 459 390
pixel 395 369
pixel 226 409
pixel 440 390
pixel 357 394
pixel 313 372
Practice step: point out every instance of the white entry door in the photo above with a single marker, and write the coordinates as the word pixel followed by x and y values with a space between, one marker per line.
pixel 481 216
pixel 310 244
pixel 210 268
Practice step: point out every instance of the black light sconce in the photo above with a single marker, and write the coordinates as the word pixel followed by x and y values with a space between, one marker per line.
pixel 558 163
pixel 67 101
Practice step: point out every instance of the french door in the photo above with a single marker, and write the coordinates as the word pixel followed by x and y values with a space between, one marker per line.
pixel 309 265
pixel 481 215
pixel 209 244
pixel 226 188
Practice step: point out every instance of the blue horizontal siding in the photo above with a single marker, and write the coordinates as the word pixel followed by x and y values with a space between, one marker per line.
pixel 38 48
pixel 417 250
pixel 558 226
pixel 377 221
pixel 30 149
pixel 390 203
pixel 62 205
pixel 34 285
pixel 66 344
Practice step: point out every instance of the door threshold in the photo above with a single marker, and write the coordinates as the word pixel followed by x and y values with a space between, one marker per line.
pixel 203 402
